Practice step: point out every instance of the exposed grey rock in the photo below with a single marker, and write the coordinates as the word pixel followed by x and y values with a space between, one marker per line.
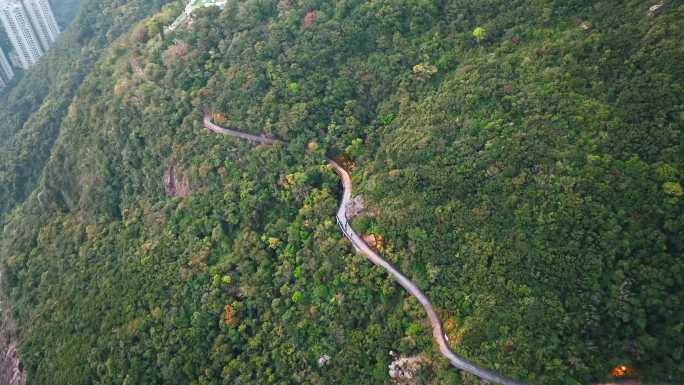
pixel 355 207
pixel 654 9
pixel 324 360
pixel 11 369
pixel 176 184
pixel 405 369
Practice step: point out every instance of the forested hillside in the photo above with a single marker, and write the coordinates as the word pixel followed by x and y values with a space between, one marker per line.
pixel 520 161
pixel 65 10
pixel 32 111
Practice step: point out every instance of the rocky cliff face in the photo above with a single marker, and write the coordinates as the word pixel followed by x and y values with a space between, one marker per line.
pixel 11 369
pixel 175 183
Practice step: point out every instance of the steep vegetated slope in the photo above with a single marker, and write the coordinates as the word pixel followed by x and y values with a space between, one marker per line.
pixel 32 111
pixel 65 10
pixel 536 192
pixel 527 176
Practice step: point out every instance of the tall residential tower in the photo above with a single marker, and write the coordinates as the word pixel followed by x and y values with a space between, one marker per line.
pixel 31 28
pixel 6 73
pixel 20 32
pixel 43 21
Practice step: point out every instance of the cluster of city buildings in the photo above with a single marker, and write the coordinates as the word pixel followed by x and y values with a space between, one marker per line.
pixel 191 6
pixel 31 28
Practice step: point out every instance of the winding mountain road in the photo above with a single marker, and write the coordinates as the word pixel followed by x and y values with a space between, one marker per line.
pixel 209 125
pixel 362 247
pixel 437 332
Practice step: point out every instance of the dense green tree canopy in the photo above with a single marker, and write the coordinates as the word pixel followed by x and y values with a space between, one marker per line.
pixel 522 162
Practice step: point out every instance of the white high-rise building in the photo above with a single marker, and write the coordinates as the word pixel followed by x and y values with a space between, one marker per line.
pixel 6 72
pixel 43 21
pixel 20 32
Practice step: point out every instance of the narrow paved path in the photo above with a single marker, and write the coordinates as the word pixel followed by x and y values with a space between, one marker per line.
pixel 362 247
pixel 437 332
pixel 209 125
